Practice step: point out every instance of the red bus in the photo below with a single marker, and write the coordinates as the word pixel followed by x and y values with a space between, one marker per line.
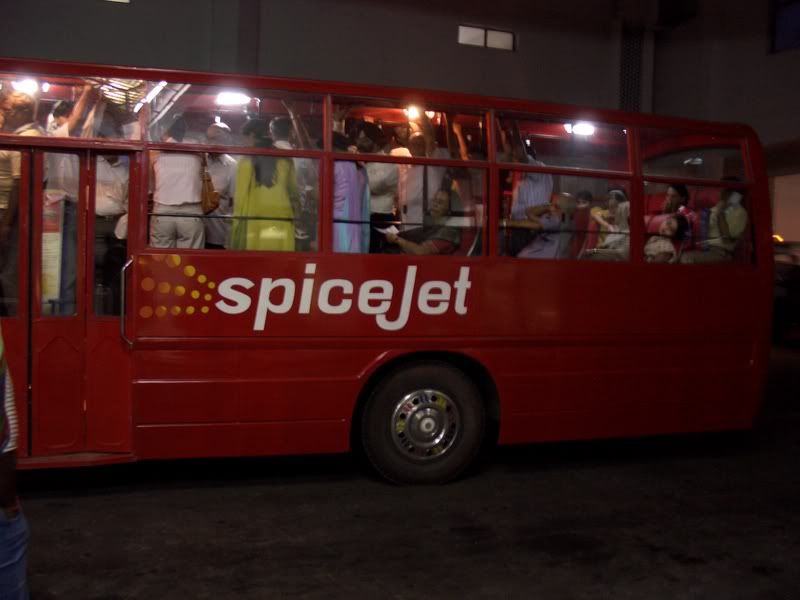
pixel 408 273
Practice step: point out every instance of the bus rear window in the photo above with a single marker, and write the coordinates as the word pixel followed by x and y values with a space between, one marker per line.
pixel 561 143
pixel 671 153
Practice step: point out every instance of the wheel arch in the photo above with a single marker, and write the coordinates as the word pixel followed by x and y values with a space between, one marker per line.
pixel 470 366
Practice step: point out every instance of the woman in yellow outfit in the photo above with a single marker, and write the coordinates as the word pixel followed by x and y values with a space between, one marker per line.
pixel 263 203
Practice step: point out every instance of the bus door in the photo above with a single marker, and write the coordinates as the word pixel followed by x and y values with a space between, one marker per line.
pixel 79 364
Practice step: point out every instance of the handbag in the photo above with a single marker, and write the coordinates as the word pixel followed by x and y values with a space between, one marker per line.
pixel 209 197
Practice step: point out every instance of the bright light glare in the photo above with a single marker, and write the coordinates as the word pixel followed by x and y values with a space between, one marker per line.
pixel 45 87
pixel 581 128
pixel 232 99
pixel 26 86
pixel 430 114
pixel 778 238
pixel 412 112
pixel 217 119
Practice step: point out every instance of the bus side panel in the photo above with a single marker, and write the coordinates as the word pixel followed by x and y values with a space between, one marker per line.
pixel 247 385
pixel 241 439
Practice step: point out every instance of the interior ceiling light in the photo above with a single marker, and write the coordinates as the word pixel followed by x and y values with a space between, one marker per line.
pixel 694 161
pixel 232 99
pixel 150 96
pixel 412 112
pixel 580 128
pixel 26 86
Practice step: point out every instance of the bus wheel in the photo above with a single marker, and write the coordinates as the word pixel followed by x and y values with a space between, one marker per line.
pixel 423 424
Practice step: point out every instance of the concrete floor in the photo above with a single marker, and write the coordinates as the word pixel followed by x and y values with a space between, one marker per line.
pixel 706 517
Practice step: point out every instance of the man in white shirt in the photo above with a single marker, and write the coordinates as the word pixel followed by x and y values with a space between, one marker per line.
pixel 418 184
pixel 222 169
pixel 177 188
pixel 382 179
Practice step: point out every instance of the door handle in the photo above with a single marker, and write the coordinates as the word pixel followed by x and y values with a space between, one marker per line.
pixel 122 312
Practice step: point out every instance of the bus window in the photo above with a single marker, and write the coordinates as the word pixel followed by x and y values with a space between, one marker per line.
pixel 88 107
pixel 540 140
pixel 675 153
pixel 391 208
pixel 696 224
pixel 59 237
pixel 110 231
pixel 292 121
pixel 266 203
pixel 564 217
pixel 409 129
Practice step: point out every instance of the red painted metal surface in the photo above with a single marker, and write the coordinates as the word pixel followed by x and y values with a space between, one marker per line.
pixel 255 353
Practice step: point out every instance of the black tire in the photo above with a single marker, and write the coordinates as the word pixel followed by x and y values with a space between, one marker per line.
pixel 423 423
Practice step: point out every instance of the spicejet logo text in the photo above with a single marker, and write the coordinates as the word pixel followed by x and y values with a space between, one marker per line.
pixel 376 297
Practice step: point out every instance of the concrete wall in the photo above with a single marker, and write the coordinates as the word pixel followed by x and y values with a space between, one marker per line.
pixel 176 34
pixel 718 66
pixel 567 52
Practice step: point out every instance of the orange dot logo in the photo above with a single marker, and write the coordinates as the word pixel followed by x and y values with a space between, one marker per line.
pixel 146 312
pixel 180 290
pixel 173 260
pixel 158 257
pixel 189 271
pixel 195 294
pixel 204 310
pixel 175 310
pixel 164 287
pixel 202 279
pixel 211 285
pixel 148 284
pixel 207 297
pixel 190 310
pixel 161 311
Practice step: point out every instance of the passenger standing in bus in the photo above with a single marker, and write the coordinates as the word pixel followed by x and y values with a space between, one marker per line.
pixel 59 115
pixel 264 203
pixel 382 178
pixel 63 181
pixel 17 118
pixel 177 214
pixel 289 133
pixel 222 169
pixel 530 192
pixel 14 527
pixel 726 226
pixel 419 183
pixel 351 202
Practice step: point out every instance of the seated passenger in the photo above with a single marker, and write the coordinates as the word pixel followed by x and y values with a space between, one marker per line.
pixel 727 223
pixel 435 238
pixel 604 217
pixel 661 248
pixel 616 245
pixel 676 201
pixel 555 229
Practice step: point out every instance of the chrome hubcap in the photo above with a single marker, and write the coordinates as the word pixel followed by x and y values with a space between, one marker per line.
pixel 425 424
